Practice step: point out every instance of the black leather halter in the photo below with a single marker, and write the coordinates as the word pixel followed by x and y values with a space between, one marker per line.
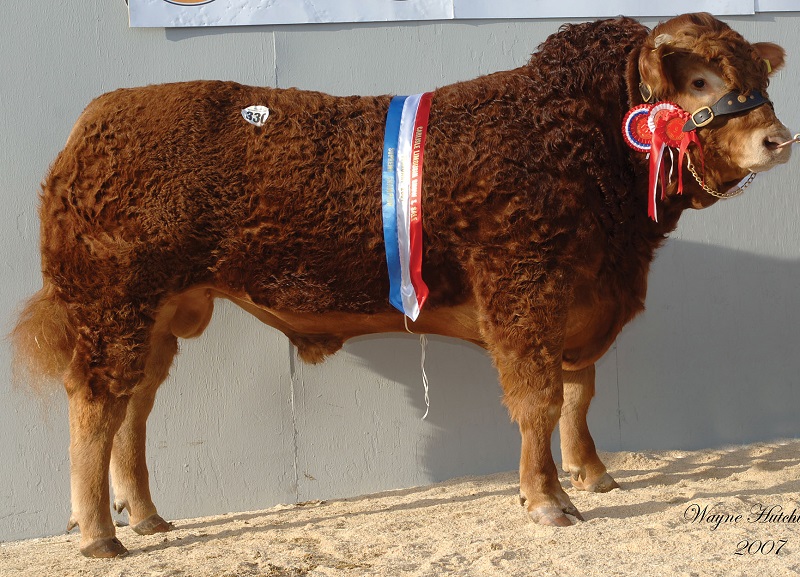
pixel 732 103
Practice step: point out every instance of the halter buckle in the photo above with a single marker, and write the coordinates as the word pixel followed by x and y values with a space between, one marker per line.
pixel 702 113
pixel 699 118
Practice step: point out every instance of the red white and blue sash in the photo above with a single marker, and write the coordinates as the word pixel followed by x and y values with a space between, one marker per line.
pixel 403 154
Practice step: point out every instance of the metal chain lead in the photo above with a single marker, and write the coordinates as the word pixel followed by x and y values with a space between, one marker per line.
pixel 730 194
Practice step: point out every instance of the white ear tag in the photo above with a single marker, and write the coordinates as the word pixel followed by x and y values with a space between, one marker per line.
pixel 256 115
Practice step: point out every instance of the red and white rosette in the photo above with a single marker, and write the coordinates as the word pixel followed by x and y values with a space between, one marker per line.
pixel 635 131
pixel 659 111
pixel 670 128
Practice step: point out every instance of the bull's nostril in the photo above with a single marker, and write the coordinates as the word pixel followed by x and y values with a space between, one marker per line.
pixel 771 144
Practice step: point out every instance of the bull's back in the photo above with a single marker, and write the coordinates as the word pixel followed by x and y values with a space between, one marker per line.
pixel 169 186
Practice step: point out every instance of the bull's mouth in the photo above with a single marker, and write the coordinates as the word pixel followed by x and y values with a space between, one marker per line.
pixel 783 158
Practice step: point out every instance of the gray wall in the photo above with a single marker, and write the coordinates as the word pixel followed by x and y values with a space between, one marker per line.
pixel 242 425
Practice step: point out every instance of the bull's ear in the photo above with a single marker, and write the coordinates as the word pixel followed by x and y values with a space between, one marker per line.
pixel 651 66
pixel 772 54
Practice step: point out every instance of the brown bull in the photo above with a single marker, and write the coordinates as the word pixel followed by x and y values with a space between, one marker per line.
pixel 537 239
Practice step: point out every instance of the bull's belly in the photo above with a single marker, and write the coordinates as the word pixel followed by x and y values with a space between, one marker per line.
pixel 456 321
pixel 187 314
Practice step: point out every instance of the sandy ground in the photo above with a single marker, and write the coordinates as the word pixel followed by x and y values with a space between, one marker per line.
pixel 474 526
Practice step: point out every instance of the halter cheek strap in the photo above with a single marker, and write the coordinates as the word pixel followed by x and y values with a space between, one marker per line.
pixel 731 103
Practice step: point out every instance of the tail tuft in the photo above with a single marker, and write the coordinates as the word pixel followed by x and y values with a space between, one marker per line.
pixel 43 340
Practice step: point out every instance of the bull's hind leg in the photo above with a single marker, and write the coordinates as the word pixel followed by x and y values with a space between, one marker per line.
pixel 122 354
pixel 185 315
pixel 578 453
pixel 129 474
pixel 95 414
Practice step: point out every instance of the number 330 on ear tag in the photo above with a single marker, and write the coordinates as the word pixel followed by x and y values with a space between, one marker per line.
pixel 256 115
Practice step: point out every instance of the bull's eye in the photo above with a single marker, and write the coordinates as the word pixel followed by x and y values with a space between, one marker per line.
pixel 699 83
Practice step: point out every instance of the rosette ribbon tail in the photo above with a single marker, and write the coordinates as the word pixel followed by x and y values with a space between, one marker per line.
pixel 657 147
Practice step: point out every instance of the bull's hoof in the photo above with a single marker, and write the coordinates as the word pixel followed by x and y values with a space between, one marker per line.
pixel 603 484
pixel 554 516
pixel 153 524
pixel 104 548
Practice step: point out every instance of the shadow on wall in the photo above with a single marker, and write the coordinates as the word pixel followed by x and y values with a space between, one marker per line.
pixel 467 430
pixel 712 361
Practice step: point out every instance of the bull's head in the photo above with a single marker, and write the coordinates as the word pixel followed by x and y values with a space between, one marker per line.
pixel 697 62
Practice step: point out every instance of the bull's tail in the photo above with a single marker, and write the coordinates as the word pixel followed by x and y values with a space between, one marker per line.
pixel 43 340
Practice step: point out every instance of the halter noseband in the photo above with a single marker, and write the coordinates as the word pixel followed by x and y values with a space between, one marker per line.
pixel 731 103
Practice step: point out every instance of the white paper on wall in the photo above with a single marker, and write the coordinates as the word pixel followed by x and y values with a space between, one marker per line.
pixel 176 13
pixel 169 13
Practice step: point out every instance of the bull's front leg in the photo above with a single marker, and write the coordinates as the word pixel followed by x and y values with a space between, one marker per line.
pixel 533 394
pixel 578 453
pixel 523 321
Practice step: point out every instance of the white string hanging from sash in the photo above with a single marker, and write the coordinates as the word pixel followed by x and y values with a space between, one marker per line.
pixel 423 344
